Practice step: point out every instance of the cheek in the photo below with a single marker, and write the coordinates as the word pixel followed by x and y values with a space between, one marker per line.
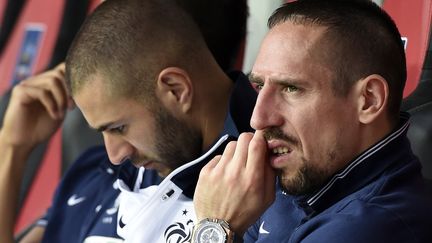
pixel 307 123
pixel 316 130
pixel 329 142
pixel 141 137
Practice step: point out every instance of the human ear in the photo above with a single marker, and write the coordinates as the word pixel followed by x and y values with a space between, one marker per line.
pixel 373 98
pixel 174 88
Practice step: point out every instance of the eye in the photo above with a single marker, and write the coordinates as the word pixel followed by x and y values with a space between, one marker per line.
pixel 257 86
pixel 290 88
pixel 119 129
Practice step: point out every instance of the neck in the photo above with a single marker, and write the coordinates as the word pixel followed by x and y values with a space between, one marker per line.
pixel 216 93
pixel 377 132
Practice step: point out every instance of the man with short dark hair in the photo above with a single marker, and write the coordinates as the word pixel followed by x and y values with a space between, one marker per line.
pixel 142 74
pixel 85 205
pixel 330 76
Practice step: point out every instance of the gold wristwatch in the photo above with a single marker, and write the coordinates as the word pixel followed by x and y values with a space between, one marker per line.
pixel 212 231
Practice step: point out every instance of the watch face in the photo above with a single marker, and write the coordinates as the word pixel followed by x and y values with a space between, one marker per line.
pixel 210 233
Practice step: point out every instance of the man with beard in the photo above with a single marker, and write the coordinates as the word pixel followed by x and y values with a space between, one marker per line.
pixel 330 76
pixel 85 206
pixel 142 75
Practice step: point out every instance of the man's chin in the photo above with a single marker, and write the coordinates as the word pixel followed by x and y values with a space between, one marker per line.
pixel 295 185
pixel 300 184
pixel 164 172
pixel 288 187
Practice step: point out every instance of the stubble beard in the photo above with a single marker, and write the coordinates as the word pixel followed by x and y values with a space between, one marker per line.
pixel 176 143
pixel 305 181
pixel 307 178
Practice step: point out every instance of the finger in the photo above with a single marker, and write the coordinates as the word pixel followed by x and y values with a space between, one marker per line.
pixel 70 101
pixel 212 163
pixel 61 67
pixel 61 75
pixel 241 152
pixel 44 78
pixel 228 153
pixel 58 90
pixel 55 86
pixel 269 183
pixel 52 81
pixel 40 79
pixel 257 153
pixel 32 94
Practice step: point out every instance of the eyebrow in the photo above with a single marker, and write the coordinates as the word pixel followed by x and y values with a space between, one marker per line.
pixel 256 79
pixel 287 81
pixel 102 127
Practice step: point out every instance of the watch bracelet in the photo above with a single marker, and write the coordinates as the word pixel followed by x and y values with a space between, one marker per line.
pixel 231 235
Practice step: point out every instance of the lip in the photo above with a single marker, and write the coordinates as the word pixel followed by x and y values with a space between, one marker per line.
pixel 278 161
pixel 272 144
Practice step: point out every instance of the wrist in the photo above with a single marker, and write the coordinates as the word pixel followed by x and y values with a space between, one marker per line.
pixel 7 146
pixel 12 157
pixel 213 230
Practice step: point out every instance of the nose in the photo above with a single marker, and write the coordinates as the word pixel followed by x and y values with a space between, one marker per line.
pixel 267 110
pixel 117 148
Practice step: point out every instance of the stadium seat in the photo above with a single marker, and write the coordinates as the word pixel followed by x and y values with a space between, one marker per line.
pixel 419 105
pixel 9 12
pixel 414 21
pixel 39 40
pixel 2 9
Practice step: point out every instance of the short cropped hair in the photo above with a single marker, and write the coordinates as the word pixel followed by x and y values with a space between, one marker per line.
pixel 129 42
pixel 363 39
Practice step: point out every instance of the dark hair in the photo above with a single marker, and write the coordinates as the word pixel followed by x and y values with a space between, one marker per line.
pixel 223 25
pixel 363 39
pixel 129 42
